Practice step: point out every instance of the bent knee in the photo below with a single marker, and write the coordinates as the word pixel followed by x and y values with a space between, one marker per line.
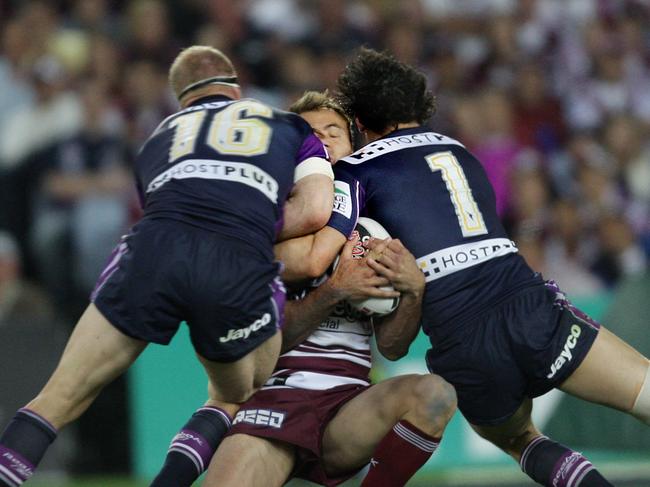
pixel 641 407
pixel 433 399
pixel 510 442
pixel 231 395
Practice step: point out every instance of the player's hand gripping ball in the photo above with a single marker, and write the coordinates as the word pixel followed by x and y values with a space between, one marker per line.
pixel 367 229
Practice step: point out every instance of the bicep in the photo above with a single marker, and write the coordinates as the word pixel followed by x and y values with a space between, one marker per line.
pixel 309 205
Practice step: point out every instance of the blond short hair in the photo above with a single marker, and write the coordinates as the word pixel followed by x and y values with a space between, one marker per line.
pixel 312 101
pixel 317 100
pixel 198 63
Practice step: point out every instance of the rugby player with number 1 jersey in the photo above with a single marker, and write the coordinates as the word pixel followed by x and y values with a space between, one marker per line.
pixel 500 333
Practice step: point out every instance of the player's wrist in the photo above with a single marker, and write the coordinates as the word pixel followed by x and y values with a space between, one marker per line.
pixel 414 294
pixel 332 293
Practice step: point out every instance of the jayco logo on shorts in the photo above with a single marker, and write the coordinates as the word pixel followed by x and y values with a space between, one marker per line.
pixel 264 417
pixel 246 331
pixel 566 354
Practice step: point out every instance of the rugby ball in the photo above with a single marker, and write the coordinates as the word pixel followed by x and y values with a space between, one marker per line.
pixel 368 228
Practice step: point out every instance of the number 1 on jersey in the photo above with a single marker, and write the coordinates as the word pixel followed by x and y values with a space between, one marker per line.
pixel 187 129
pixel 469 216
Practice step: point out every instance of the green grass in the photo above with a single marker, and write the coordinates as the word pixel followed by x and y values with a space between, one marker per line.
pixel 88 482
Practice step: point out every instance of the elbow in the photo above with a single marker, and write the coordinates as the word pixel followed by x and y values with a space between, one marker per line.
pixel 316 220
pixel 318 216
pixel 394 352
pixel 315 268
pixel 309 268
pixel 317 262
pixel 320 209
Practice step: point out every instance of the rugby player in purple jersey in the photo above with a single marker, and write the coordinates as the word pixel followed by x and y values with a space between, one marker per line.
pixel 219 181
pixel 500 333
pixel 318 417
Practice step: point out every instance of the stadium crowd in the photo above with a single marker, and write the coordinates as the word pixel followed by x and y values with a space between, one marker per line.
pixel 551 95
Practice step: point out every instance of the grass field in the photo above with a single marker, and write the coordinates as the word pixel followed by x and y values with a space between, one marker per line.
pixel 633 473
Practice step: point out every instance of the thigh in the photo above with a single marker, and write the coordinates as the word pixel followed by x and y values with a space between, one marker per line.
pixel 235 306
pixel 352 435
pixel 235 382
pixel 249 461
pixel 611 374
pixel 140 289
pixel 480 365
pixel 95 355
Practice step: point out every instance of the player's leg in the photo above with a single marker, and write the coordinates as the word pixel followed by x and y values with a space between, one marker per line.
pixel 543 460
pixel 398 423
pixel 250 461
pixel 229 385
pixel 96 354
pixel 234 317
pixel 613 374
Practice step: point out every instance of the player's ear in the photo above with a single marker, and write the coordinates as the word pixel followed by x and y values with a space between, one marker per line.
pixel 360 127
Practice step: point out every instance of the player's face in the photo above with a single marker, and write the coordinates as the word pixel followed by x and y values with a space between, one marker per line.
pixel 332 129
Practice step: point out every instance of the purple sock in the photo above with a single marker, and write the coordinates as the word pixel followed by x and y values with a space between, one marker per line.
pixel 192 448
pixel 22 445
pixel 554 465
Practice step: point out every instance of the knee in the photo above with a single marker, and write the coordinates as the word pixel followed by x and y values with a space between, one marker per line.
pixel 511 442
pixel 232 395
pixel 641 407
pixel 434 399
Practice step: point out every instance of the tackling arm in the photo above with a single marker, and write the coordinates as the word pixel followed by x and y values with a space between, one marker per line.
pixel 309 257
pixel 395 333
pixel 352 279
pixel 309 205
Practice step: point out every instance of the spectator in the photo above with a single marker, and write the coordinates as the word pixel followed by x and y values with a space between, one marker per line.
pixel 537 114
pixel 149 33
pixel 624 141
pixel 28 325
pixel 55 115
pixel 620 255
pixel 83 203
pixel 497 147
pixel 569 251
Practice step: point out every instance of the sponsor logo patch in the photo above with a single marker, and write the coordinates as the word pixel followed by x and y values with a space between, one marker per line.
pixel 187 437
pixel 245 332
pixel 342 199
pixel 565 355
pixel 262 417
pixel 238 172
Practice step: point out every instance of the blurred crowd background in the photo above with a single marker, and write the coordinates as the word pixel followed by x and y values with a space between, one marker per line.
pixel 553 96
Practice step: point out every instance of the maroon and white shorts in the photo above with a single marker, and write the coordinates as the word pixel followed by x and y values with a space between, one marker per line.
pixel 297 417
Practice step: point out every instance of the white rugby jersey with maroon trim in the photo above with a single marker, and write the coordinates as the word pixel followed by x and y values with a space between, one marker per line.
pixel 336 354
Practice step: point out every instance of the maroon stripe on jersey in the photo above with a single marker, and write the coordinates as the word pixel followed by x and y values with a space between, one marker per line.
pixel 325 348
pixel 322 365
pixel 334 353
pixel 291 372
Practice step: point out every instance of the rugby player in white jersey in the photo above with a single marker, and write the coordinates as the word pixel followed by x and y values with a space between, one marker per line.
pixel 318 417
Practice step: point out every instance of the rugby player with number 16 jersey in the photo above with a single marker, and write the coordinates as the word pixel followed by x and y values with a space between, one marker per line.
pixel 219 181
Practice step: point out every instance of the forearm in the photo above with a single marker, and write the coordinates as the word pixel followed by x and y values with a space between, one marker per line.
pixel 395 332
pixel 309 257
pixel 304 316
